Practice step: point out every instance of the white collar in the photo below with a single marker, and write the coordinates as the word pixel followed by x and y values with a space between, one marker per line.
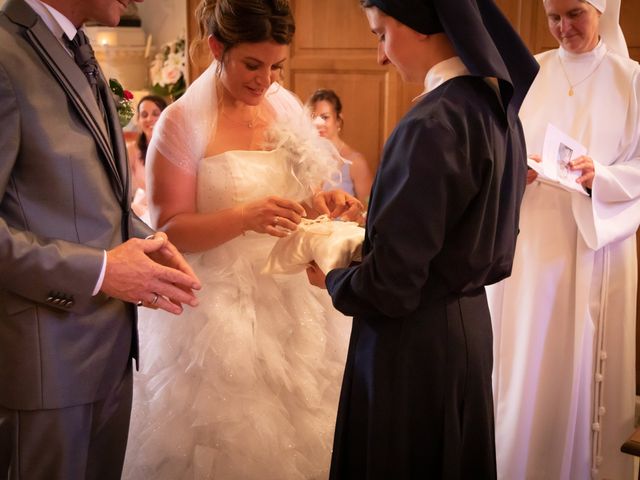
pixel 53 19
pixel 595 54
pixel 441 72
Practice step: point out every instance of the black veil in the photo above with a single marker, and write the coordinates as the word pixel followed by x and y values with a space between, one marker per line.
pixel 482 37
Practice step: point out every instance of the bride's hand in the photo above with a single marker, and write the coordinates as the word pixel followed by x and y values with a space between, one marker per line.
pixel 273 215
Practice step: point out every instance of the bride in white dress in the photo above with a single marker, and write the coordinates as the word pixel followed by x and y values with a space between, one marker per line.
pixel 245 386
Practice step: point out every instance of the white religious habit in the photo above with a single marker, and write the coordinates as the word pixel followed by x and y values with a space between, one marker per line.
pixel 564 322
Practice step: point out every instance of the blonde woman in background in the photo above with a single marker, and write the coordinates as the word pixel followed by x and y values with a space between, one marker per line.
pixel 326 110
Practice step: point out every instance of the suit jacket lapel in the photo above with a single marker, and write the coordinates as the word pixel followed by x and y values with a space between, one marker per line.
pixel 73 81
pixel 117 140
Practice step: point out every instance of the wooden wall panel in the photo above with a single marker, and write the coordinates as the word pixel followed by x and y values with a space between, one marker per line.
pixel 520 14
pixel 323 26
pixel 630 22
pixel 513 11
pixel 540 39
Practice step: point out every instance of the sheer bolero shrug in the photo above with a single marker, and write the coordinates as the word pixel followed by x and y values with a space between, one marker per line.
pixel 185 128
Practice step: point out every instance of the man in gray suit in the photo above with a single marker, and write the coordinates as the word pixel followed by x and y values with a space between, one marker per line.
pixel 73 259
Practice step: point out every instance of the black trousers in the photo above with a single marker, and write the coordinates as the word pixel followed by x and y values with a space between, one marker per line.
pixel 73 443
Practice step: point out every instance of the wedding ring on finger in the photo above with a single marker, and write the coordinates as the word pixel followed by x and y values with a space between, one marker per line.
pixel 276 221
pixel 154 299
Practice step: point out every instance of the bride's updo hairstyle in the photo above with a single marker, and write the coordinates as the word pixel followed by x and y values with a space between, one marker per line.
pixel 245 21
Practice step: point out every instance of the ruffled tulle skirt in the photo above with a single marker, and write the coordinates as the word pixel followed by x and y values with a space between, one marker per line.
pixel 246 385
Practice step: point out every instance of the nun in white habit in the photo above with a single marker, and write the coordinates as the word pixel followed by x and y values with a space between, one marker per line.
pixel 564 322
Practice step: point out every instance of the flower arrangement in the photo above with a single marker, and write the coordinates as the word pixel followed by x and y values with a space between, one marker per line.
pixel 123 99
pixel 168 70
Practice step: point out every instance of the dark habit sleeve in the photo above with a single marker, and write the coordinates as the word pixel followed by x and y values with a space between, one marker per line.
pixel 425 184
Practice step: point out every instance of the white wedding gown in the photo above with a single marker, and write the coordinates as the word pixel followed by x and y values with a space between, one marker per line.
pixel 246 385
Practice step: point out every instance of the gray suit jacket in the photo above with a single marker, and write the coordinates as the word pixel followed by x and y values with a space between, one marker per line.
pixel 64 198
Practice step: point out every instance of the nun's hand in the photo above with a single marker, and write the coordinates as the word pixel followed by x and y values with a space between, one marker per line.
pixel 316 276
pixel 531 173
pixel 585 164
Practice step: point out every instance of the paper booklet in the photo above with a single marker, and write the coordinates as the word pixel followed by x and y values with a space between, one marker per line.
pixel 558 150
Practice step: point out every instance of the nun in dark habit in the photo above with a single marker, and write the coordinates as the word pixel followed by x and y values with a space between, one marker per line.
pixel 416 399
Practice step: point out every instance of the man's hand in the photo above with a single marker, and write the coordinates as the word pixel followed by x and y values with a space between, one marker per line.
pixel 151 273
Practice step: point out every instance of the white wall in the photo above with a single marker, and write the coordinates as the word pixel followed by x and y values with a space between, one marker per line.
pixel 165 20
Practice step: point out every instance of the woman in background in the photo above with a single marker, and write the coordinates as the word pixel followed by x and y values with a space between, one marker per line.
pixel 326 110
pixel 148 112
pixel 564 322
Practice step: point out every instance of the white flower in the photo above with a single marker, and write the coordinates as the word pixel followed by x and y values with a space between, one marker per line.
pixel 175 60
pixel 169 66
pixel 170 74
pixel 155 72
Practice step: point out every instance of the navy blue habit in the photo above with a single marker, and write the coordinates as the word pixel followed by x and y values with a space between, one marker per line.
pixel 416 400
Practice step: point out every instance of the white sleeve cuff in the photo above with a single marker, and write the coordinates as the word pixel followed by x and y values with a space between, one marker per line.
pixel 102 272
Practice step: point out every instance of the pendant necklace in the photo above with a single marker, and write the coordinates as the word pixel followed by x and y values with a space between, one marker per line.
pixel 572 86
pixel 251 123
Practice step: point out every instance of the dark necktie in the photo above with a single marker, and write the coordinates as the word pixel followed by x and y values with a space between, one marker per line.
pixel 86 60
